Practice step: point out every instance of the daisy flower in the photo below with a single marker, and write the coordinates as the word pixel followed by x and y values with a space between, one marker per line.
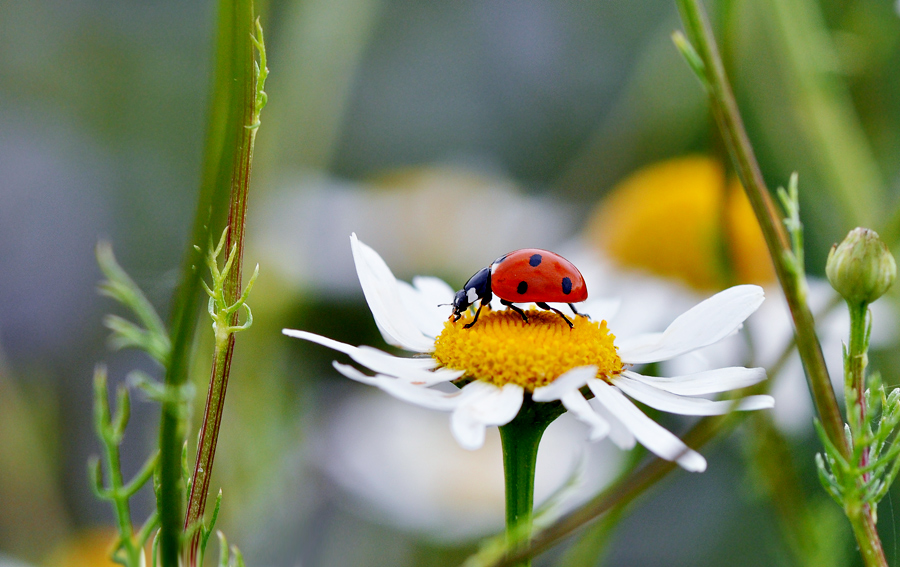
pixel 502 359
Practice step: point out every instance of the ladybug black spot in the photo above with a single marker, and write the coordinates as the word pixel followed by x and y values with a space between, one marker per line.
pixel 535 260
pixel 566 286
pixel 522 287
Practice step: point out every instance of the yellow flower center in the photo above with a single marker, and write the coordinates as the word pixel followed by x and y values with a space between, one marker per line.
pixel 502 349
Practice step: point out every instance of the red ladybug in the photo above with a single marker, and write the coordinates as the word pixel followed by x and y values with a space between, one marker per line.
pixel 529 275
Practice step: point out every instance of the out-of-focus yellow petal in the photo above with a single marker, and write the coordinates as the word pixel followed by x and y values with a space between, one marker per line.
pixel 86 548
pixel 678 219
pixel 750 260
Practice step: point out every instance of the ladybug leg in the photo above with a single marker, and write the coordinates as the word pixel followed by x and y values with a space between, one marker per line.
pixel 575 311
pixel 475 320
pixel 514 308
pixel 543 305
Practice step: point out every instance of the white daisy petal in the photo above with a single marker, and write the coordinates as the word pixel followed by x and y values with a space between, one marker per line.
pixel 383 296
pixel 568 381
pixel 483 405
pixel 424 313
pixel 618 432
pixel 673 403
pixel 651 435
pixel 582 410
pixel 707 382
pixel 706 323
pixel 417 395
pixel 435 290
pixel 421 371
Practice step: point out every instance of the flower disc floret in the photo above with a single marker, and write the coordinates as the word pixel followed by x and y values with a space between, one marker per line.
pixel 501 348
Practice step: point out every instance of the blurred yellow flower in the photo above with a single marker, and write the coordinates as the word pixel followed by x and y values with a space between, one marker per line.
pixel 86 548
pixel 680 219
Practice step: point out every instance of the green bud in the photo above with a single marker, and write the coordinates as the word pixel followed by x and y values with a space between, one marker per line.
pixel 861 268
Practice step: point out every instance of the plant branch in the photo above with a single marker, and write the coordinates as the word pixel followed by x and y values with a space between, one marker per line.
pixel 226 297
pixel 225 161
pixel 701 46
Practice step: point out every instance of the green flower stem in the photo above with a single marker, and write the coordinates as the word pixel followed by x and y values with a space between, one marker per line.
pixel 866 534
pixel 521 438
pixel 252 98
pixel 855 383
pixel 861 516
pixel 621 493
pixel 206 450
pixel 229 114
pixel 703 57
pixel 212 203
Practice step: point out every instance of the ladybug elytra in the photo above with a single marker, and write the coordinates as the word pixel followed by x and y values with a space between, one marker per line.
pixel 530 275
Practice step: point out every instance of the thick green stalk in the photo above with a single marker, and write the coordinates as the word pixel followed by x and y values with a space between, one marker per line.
pixel 226 125
pixel 620 493
pixel 724 108
pixel 521 438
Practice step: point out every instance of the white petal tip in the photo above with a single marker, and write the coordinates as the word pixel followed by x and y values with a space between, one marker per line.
pixel 751 403
pixel 693 462
pixel 469 436
pixel 470 446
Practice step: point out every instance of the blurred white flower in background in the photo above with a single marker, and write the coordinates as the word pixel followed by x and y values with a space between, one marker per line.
pixel 444 220
pixel 401 466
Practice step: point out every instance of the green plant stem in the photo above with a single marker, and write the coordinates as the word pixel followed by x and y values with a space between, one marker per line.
pixel 866 534
pixel 622 492
pixel 861 516
pixel 225 130
pixel 206 449
pixel 520 439
pixel 856 364
pixel 111 430
pixel 725 111
pixel 120 503
pixel 724 108
pixel 245 100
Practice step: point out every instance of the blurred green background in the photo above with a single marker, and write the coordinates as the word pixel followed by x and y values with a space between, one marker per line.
pixel 443 133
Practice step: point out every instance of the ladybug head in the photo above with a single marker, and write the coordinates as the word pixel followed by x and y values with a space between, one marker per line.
pixel 460 304
pixel 478 287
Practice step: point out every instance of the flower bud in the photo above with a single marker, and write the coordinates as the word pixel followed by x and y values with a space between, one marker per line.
pixel 861 268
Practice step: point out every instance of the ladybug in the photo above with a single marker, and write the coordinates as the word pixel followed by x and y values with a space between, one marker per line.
pixel 529 275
